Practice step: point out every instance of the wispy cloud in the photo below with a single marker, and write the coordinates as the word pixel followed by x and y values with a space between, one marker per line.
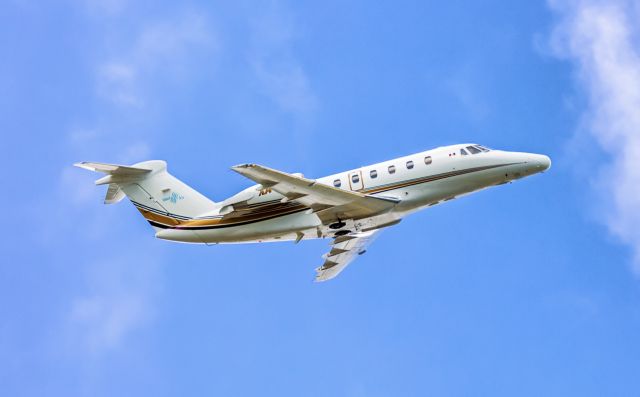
pixel 162 50
pixel 118 300
pixel 281 74
pixel 117 82
pixel 601 39
pixel 117 295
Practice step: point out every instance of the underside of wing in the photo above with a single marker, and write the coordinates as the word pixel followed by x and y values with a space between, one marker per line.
pixel 328 202
pixel 344 250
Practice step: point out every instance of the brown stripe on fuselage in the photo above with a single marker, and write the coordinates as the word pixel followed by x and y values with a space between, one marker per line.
pixel 245 216
pixel 244 220
pixel 158 218
pixel 240 216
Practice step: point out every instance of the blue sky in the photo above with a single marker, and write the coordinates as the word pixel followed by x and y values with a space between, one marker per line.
pixel 527 289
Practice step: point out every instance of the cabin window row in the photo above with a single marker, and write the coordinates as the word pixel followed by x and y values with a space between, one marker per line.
pixel 355 178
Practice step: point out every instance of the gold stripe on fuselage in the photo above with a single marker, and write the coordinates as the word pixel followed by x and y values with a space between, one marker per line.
pixel 241 215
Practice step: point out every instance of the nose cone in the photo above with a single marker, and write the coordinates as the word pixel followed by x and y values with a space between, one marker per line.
pixel 542 162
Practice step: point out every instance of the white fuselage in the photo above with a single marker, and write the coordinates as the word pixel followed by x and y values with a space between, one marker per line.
pixel 416 181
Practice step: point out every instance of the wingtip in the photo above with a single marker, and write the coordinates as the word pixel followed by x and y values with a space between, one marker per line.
pixel 240 167
pixel 84 165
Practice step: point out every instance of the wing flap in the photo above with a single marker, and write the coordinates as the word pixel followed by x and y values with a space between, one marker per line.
pixel 343 252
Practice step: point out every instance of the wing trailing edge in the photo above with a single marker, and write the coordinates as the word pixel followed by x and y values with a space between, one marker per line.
pixel 344 250
pixel 328 202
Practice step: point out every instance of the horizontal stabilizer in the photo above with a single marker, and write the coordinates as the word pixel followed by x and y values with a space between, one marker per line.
pixel 113 169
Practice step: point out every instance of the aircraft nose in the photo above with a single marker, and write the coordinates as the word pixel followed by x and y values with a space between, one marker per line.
pixel 542 162
pixel 537 162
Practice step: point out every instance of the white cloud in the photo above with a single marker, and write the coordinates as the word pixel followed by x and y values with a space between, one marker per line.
pixel 161 51
pixel 120 298
pixel 287 84
pixel 601 39
pixel 104 319
pixel 117 296
pixel 280 73
pixel 116 81
pixel 170 40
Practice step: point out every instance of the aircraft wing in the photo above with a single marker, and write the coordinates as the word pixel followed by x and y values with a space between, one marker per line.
pixel 328 202
pixel 344 250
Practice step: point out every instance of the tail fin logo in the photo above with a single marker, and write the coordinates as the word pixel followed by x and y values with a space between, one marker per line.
pixel 172 197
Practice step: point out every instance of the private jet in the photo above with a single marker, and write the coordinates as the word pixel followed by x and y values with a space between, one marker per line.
pixel 350 207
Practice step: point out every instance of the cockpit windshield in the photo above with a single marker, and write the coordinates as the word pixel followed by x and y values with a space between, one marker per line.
pixel 475 149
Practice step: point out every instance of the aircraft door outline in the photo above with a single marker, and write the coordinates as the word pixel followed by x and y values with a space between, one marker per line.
pixel 356 182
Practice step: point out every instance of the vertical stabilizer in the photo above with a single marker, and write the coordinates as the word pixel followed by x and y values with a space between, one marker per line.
pixel 162 199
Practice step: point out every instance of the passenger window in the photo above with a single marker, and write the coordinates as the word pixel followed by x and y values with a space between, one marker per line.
pixel 392 169
pixel 427 160
pixel 473 150
pixel 355 178
pixel 337 183
pixel 374 174
pixel 409 164
pixel 464 152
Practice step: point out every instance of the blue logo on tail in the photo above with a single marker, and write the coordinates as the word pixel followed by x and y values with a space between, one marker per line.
pixel 172 197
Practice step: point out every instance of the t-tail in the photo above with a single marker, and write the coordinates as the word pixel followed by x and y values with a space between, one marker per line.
pixel 163 200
